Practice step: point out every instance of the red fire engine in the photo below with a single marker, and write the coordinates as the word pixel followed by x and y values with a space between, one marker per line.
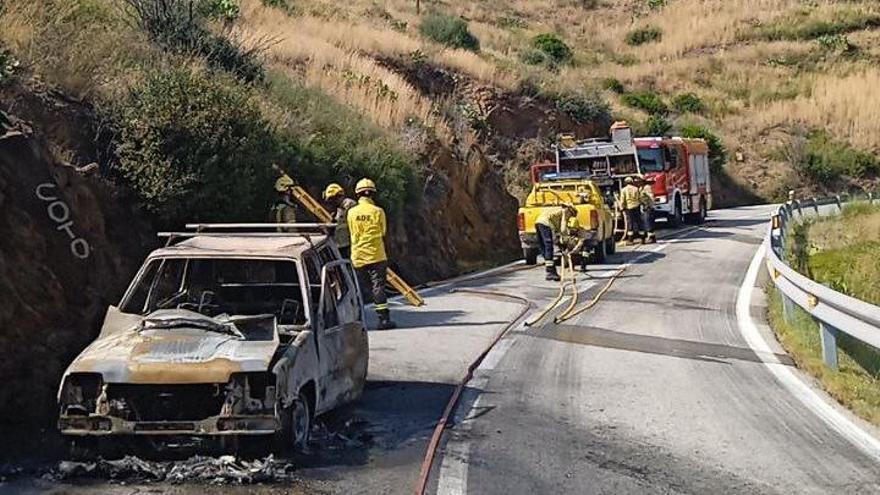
pixel 679 169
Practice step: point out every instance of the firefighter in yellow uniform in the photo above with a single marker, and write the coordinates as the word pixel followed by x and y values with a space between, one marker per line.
pixel 646 198
pixel 552 223
pixel 631 204
pixel 335 196
pixel 284 208
pixel 367 227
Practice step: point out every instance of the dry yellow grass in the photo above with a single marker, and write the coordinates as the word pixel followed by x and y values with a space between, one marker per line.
pixel 84 56
pixel 848 106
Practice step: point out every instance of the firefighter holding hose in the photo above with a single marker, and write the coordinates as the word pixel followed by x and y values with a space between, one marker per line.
pixel 553 224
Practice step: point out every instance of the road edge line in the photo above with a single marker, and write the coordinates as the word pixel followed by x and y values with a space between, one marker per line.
pixel 804 392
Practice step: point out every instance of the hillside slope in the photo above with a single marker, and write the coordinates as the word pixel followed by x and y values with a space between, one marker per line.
pixel 789 86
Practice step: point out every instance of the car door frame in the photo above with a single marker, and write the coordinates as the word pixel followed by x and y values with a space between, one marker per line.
pixel 343 347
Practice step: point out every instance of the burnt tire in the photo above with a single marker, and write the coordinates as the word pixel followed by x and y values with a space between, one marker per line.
pixel 296 426
pixel 82 449
pixel 531 256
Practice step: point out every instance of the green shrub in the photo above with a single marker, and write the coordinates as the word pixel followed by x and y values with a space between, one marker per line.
pixel 648 101
pixel 180 26
pixel 801 26
pixel 553 47
pixel 613 84
pixel 584 109
pixel 640 36
pixel 656 125
pixel 824 159
pixel 717 151
pixel 837 43
pixel 448 30
pixel 194 147
pixel 226 10
pixel 325 141
pixel 656 4
pixel 688 102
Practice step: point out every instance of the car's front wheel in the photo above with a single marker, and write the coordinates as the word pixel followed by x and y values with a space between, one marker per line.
pixel 296 426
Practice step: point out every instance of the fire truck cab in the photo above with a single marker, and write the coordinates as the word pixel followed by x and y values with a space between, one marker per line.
pixel 679 170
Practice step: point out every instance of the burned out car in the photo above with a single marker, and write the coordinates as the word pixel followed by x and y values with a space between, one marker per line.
pixel 224 335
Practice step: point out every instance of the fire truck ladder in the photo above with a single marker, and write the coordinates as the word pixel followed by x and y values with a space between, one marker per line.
pixel 324 216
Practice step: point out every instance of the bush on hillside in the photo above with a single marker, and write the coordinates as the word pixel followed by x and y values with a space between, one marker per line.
pixel 449 30
pixel 325 141
pixel 180 26
pixel 195 147
pixel 825 159
pixel 643 35
pixel 648 101
pixel 226 10
pixel 655 125
pixel 613 84
pixel 585 109
pixel 837 43
pixel 548 50
pixel 688 103
pixel 801 26
pixel 717 151
pixel 553 47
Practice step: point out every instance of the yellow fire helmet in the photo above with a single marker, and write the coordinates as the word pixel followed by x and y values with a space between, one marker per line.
pixel 628 180
pixel 364 185
pixel 333 190
pixel 283 183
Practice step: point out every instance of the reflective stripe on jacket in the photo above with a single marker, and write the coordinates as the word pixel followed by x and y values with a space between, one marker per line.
pixel 366 224
pixel 342 237
pixel 630 197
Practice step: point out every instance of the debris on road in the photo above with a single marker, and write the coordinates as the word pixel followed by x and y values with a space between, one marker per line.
pixel 225 469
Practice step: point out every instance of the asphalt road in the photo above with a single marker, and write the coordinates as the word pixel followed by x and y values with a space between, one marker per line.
pixel 653 390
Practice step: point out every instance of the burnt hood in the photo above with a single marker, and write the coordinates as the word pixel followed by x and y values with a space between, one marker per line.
pixel 174 347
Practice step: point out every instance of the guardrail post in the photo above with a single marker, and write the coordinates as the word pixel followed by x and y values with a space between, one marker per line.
pixel 816 205
pixel 839 203
pixel 800 208
pixel 829 344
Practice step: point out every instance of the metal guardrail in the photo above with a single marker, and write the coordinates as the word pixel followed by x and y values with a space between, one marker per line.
pixel 835 312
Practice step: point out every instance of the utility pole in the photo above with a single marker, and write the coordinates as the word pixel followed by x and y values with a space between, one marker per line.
pixel 418 7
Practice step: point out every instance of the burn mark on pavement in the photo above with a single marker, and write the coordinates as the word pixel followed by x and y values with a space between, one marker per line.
pixel 651 344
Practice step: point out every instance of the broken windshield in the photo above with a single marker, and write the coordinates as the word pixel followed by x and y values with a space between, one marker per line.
pixel 219 286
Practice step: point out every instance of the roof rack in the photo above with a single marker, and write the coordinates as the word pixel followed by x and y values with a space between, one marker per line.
pixel 288 227
pixel 248 230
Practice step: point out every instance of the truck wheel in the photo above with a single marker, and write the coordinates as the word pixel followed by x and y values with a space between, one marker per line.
pixel 703 210
pixel 531 256
pixel 676 219
pixel 600 252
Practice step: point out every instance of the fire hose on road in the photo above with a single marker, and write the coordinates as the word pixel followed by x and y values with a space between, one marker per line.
pixel 431 452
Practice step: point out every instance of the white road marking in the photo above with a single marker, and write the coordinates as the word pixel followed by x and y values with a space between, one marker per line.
pixel 454 467
pixel 834 418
